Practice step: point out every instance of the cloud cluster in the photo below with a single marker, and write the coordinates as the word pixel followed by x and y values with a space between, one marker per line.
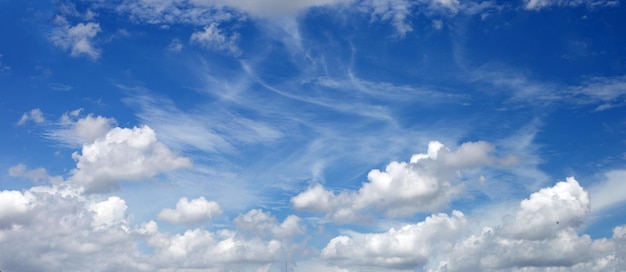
pixel 406 248
pixel 60 228
pixel 531 238
pixel 123 154
pixel 426 183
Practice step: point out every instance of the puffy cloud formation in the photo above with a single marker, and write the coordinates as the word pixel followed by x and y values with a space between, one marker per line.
pixel 15 205
pixel 75 131
pixel 35 115
pixel 549 210
pixel 191 212
pixel 423 184
pixel 123 154
pixel 406 248
pixel 109 212
pixel 54 228
pixel 78 38
pixel 262 223
pixel 529 239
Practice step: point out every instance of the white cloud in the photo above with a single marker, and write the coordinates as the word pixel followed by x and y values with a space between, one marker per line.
pixel 36 175
pixel 59 228
pixel 199 248
pixel 123 154
pixel 35 115
pixel 78 38
pixel 564 205
pixel 15 205
pixel 396 11
pixel 276 8
pixel 191 212
pixel 528 239
pixel 57 231
pixel 260 223
pixel 608 193
pixel 609 92
pixel 408 248
pixel 74 131
pixel 209 129
pixel 539 4
pixel 423 184
pixel 213 38
pixel 109 212
pixel 564 251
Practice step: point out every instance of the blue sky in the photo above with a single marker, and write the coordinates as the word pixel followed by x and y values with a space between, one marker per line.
pixel 313 135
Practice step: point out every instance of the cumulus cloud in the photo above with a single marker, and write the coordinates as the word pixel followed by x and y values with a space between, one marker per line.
pixel 34 115
pixel 58 227
pixel 528 239
pixel 123 154
pixel 191 212
pixel 109 212
pixel 260 223
pixel 15 205
pixel 423 184
pixel 74 131
pixel 78 38
pixel 200 248
pixel 407 248
pixel 564 205
pixel 213 38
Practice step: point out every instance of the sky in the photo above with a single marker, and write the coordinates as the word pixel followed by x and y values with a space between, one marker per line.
pixel 312 135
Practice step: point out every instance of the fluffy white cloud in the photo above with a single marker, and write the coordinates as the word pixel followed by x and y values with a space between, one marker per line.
pixel 199 248
pixel 35 115
pixel 565 251
pixel 213 38
pixel 78 38
pixel 406 248
pixel 423 184
pixel 75 131
pixel 260 223
pixel 562 206
pixel 58 232
pixel 123 154
pixel 191 212
pixel 109 212
pixel 58 227
pixel 529 239
pixel 15 205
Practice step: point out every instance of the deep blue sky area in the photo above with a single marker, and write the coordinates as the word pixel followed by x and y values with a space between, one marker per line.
pixel 317 135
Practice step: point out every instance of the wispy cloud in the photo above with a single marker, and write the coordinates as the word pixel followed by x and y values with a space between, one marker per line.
pixel 78 39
